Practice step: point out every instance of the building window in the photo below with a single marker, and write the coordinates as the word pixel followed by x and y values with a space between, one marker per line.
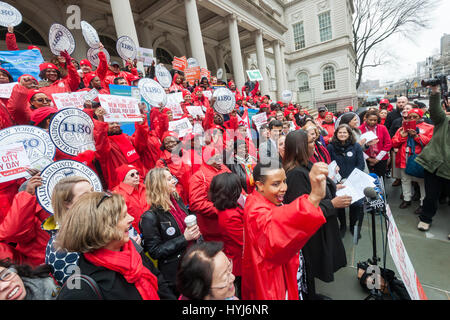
pixel 332 107
pixel 163 56
pixel 325 26
pixel 299 36
pixel 303 82
pixel 25 34
pixel 110 45
pixel 329 82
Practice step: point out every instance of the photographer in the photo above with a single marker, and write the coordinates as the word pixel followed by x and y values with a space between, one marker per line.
pixel 435 158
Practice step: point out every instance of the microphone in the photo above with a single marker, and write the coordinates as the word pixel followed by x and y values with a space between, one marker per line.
pixel 379 186
pixel 374 200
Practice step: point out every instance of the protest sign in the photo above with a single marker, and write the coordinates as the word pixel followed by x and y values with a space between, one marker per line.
pixel 286 96
pixel 120 109
pixel 145 56
pixel 21 62
pixel 205 73
pixel 192 74
pixel 259 119
pixel 195 111
pixel 173 103
pixel 36 141
pixel 69 99
pixel 179 64
pixel 163 75
pixel 192 63
pixel 182 127
pixel 220 74
pixel 58 170
pixel 91 95
pixel 92 55
pixel 90 35
pixel 126 48
pixel 254 75
pixel 9 16
pixel 152 92
pixel 14 162
pixel 225 100
pixel 72 131
pixel 402 262
pixel 6 89
pixel 60 39
pixel 355 185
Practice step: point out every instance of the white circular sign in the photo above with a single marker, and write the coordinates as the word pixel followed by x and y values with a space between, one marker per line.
pixel 59 170
pixel 9 16
pixel 225 100
pixel 192 63
pixel 72 131
pixel 38 145
pixel 60 39
pixel 163 75
pixel 126 48
pixel 92 56
pixel 220 74
pixel 286 96
pixel 152 92
pixel 90 35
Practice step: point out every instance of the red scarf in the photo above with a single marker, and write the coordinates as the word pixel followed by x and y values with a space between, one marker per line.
pixel 179 215
pixel 128 263
pixel 126 147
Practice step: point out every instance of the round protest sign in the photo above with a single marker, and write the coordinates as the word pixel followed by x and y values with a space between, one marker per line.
pixel 163 75
pixel 90 35
pixel 38 145
pixel 58 170
pixel 126 48
pixel 225 100
pixel 72 131
pixel 286 96
pixel 92 56
pixel 60 39
pixel 152 92
pixel 220 74
pixel 9 16
pixel 192 63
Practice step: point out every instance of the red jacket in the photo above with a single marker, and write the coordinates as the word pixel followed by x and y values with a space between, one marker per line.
pixel 135 199
pixel 22 225
pixel 101 71
pixel 5 118
pixel 385 143
pixel 11 43
pixel 422 139
pixel 67 84
pixel 8 191
pixel 231 223
pixel 179 169
pixel 18 106
pixel 110 76
pixel 199 204
pixel 193 159
pixel 274 237
pixel 330 129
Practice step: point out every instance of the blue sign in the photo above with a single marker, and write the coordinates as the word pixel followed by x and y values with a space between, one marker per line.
pixel 21 62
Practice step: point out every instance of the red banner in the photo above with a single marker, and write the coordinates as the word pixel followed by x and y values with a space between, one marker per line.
pixel 192 74
pixel 179 64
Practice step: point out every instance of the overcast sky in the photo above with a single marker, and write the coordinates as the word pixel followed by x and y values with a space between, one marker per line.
pixel 408 52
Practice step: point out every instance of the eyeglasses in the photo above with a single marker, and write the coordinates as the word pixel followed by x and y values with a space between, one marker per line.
pixel 229 277
pixel 106 195
pixel 8 274
pixel 42 100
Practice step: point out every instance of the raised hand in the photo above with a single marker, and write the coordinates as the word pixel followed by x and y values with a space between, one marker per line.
pixel 318 178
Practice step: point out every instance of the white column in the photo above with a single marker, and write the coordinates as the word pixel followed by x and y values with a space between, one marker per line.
pixel 124 22
pixel 221 61
pixel 195 33
pixel 278 67
pixel 261 57
pixel 283 59
pixel 236 54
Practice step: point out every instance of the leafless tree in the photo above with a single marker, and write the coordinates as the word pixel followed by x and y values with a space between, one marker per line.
pixel 377 20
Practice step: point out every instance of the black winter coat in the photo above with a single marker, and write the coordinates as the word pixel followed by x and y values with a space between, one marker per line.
pixel 347 157
pixel 163 241
pixel 324 252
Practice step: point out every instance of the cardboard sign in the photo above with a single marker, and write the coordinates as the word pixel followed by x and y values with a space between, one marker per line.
pixel 93 58
pixel 120 109
pixel 225 100
pixel 182 127
pixel 192 63
pixel 145 56
pixel 286 96
pixel 14 162
pixel 9 16
pixel 254 75
pixel 70 99
pixel 402 261
pixel 126 48
pixel 163 75
pixel 152 92
pixel 192 74
pixel 205 73
pixel 179 64
pixel 6 89
pixel 259 119
pixel 195 111
pixel 90 35
pixel 60 39
pixel 173 103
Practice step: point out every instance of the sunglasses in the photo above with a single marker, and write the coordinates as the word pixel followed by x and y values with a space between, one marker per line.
pixel 42 100
pixel 106 195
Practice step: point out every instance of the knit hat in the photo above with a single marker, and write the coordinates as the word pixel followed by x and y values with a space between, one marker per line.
pixel 416 111
pixel 186 93
pixel 7 74
pixel 26 75
pixel 384 101
pixel 38 115
pixel 47 65
pixel 34 47
pixel 85 157
pixel 170 134
pixel 85 62
pixel 123 170
pixel 90 76
pixel 32 93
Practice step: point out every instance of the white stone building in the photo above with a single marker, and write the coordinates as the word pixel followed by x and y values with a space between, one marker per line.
pixel 301 45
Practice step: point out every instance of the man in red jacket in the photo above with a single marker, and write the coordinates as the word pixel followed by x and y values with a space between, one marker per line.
pixel 198 193
pixel 274 234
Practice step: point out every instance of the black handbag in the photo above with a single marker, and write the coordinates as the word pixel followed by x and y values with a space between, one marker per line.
pixel 82 278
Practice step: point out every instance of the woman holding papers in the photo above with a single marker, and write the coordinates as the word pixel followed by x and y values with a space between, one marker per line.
pixel 324 253
pixel 348 155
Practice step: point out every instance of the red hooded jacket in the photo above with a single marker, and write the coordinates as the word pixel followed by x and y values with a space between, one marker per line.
pixel 135 199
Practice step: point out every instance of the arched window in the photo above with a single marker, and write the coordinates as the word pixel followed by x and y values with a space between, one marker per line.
pixel 303 82
pixel 109 44
pixel 163 56
pixel 25 34
pixel 329 81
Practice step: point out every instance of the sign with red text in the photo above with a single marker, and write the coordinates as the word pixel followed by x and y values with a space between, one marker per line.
pixel 205 73
pixel 192 74
pixel 120 109
pixel 259 119
pixel 173 103
pixel 182 127
pixel 14 162
pixel 70 99
pixel 179 64
pixel 6 89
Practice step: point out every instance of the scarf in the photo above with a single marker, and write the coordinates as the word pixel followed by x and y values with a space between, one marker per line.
pixel 341 148
pixel 320 154
pixel 125 147
pixel 178 214
pixel 128 263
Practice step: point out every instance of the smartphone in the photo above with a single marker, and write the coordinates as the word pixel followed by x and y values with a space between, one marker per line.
pixel 409 125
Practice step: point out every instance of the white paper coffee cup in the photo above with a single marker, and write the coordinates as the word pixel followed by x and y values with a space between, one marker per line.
pixel 190 221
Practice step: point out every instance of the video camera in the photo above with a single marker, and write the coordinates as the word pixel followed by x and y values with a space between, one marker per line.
pixel 440 80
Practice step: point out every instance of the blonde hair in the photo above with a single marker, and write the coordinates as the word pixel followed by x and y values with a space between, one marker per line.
pixel 87 228
pixel 156 189
pixel 62 195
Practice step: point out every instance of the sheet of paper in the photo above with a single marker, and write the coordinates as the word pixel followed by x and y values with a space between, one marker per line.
pixel 195 111
pixel 355 185
pixel 333 172
pixel 369 136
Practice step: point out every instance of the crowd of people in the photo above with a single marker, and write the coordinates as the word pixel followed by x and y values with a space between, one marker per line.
pixel 268 185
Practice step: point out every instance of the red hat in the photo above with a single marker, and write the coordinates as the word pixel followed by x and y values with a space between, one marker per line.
pixel 186 93
pixel 263 105
pixel 34 47
pixel 197 89
pixel 90 76
pixel 47 65
pixel 230 83
pixel 416 111
pixel 38 115
pixel 238 97
pixel 165 110
pixel 85 62
pixel 170 134
pixel 85 157
pixel 123 170
pixel 7 74
pixel 209 152
pixel 384 101
pixel 280 103
pixel 32 93
pixel 350 108
pixel 26 75
pixel 133 78
pixel 329 114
